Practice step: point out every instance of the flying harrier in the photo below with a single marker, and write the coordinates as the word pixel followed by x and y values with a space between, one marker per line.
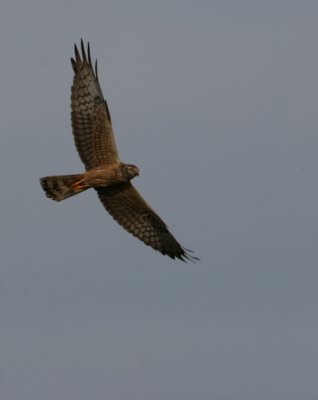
pixel 95 143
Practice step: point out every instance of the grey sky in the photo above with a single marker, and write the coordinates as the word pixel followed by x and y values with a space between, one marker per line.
pixel 216 102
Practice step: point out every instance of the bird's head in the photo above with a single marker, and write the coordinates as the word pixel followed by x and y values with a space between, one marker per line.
pixel 132 171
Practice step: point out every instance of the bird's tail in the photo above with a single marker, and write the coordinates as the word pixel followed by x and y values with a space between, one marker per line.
pixel 62 186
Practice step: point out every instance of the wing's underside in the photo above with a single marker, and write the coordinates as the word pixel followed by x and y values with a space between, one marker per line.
pixel 91 121
pixel 131 211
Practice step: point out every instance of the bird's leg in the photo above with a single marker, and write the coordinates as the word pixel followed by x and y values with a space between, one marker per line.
pixel 79 185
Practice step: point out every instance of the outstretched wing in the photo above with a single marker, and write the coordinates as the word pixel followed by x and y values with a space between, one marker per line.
pixel 91 121
pixel 131 211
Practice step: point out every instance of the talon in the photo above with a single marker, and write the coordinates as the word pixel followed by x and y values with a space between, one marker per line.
pixel 78 186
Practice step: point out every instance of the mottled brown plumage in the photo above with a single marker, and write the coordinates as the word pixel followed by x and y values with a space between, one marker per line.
pixel 95 143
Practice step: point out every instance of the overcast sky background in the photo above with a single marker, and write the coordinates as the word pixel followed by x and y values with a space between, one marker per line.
pixel 217 103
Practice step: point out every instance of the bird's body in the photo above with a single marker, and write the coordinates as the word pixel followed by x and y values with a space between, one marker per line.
pixel 95 143
pixel 61 187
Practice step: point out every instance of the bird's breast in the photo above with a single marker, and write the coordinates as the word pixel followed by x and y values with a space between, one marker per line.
pixel 104 176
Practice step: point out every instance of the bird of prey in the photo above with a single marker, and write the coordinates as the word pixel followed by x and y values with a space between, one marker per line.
pixel 95 143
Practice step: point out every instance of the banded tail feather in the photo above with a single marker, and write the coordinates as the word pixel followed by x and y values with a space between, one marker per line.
pixel 61 187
